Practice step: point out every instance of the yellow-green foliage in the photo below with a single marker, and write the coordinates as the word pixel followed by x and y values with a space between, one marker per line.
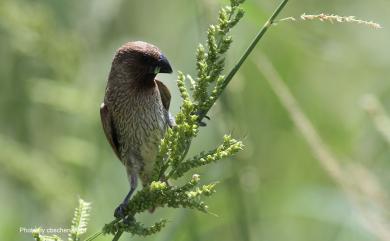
pixel 80 220
pixel 78 227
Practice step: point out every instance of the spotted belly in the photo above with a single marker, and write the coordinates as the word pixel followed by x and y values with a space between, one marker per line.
pixel 140 138
pixel 149 152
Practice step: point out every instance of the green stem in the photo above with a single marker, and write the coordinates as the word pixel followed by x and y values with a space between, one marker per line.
pixel 93 236
pixel 117 235
pixel 259 35
pixel 249 50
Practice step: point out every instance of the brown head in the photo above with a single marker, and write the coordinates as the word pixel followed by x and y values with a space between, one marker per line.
pixel 139 61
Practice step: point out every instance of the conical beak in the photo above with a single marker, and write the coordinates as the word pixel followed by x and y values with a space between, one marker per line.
pixel 163 65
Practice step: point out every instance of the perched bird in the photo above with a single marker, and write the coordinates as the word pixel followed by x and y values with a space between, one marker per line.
pixel 134 112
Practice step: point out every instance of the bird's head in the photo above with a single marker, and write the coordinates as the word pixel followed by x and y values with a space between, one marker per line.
pixel 141 60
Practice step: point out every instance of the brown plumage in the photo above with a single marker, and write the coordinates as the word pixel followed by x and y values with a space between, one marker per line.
pixel 135 110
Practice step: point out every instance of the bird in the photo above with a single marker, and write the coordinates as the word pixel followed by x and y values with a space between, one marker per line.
pixel 135 111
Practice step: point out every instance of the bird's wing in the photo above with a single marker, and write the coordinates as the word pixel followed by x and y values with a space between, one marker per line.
pixel 108 128
pixel 166 101
pixel 165 94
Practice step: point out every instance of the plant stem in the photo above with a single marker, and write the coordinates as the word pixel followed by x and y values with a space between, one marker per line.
pixel 117 235
pixel 259 35
pixel 93 236
pixel 238 65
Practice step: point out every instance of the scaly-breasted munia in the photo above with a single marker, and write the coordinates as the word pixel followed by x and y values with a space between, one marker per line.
pixel 135 113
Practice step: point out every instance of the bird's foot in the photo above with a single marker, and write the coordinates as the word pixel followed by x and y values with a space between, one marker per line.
pixel 120 211
pixel 129 220
pixel 202 123
pixel 199 113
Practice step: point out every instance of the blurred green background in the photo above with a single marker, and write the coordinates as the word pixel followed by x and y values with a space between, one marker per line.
pixel 54 61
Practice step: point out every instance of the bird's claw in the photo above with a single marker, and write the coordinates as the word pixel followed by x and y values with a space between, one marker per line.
pixel 129 220
pixel 200 122
pixel 120 211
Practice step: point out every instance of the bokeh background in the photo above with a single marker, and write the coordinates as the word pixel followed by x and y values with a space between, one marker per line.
pixel 54 60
